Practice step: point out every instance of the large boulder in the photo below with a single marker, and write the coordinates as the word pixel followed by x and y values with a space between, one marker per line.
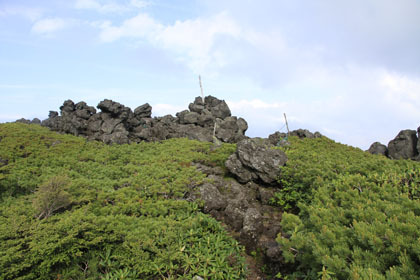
pixel 67 108
pixel 143 111
pixel 256 160
pixel 378 149
pixel 231 129
pixel 115 109
pixel 404 146
pixel 218 108
pixel 83 111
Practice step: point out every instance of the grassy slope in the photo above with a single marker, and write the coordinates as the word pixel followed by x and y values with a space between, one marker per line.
pixel 127 216
pixel 359 214
pixel 352 215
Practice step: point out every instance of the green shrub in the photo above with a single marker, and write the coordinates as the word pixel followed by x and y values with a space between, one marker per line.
pixel 51 196
pixel 315 162
pixel 358 214
pixel 128 217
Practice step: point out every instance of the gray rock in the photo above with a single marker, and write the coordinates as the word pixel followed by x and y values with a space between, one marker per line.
pixel 302 133
pixel 116 137
pixel 118 123
pixel 378 149
pixel 212 198
pixel 115 109
pixel 67 108
pixel 143 111
pixel 190 118
pixel 23 120
pixel 404 146
pixel 317 134
pixel 206 118
pixel 276 138
pixel 252 224
pixel 197 106
pixel 258 158
pixel 234 216
pixel 242 126
pixel 236 167
pixel 218 108
pixel 109 125
pixel 418 143
pixel 53 114
pixel 36 121
pixel 181 116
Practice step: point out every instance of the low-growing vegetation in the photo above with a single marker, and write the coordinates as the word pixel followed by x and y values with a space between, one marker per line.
pixel 353 215
pixel 73 209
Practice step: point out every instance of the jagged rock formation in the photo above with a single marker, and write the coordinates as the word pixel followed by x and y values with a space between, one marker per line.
pixel 34 121
pixel 117 123
pixel 277 137
pixel 378 149
pixel 245 209
pixel 256 160
pixel 405 145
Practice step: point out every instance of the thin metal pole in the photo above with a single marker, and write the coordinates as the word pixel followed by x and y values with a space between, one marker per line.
pixel 201 87
pixel 287 125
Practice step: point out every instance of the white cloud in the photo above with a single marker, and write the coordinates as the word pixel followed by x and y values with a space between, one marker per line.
pixel 140 26
pixel 50 25
pixel 139 3
pixel 191 41
pixel 107 7
pixel 31 14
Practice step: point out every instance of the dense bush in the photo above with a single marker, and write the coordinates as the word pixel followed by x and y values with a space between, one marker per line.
pixel 359 214
pixel 128 218
pixel 51 196
pixel 314 162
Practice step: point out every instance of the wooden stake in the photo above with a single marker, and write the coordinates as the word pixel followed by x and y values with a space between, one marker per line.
pixel 201 87
pixel 287 125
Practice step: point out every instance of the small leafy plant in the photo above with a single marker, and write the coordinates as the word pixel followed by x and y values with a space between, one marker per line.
pixel 51 196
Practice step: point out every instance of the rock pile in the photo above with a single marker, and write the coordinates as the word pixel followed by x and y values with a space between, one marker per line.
pixel 245 209
pixel 405 145
pixel 116 123
pixel 256 160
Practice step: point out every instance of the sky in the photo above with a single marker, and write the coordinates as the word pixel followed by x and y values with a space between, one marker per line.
pixel 348 69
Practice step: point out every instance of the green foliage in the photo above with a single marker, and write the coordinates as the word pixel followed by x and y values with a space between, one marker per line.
pixel 359 214
pixel 314 162
pixel 128 217
pixel 51 196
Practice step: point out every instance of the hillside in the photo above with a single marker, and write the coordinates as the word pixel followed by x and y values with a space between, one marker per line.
pixel 78 209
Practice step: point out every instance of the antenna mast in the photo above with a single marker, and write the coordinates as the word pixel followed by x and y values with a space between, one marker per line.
pixel 201 87
pixel 287 125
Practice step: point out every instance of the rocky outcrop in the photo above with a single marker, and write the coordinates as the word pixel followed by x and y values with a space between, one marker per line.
pixel 280 138
pixel 245 209
pixel 116 123
pixel 256 160
pixel 378 149
pixel 26 121
pixel 405 145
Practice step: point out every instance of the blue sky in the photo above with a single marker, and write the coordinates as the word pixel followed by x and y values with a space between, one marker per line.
pixel 349 69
